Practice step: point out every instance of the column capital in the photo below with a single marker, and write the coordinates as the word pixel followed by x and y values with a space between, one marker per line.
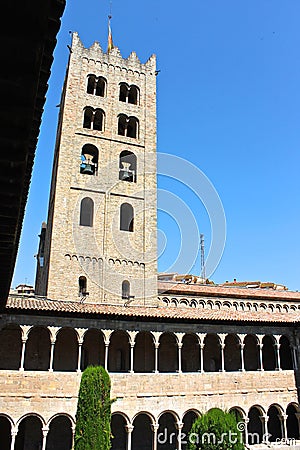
pixel 179 344
pixel 129 428
pixel 14 430
pixel 154 427
pixel 132 336
pixel 80 333
pixel 156 335
pixel 179 337
pixel 201 337
pixel 45 430
pixel 179 425
pixel 25 331
pixel 107 334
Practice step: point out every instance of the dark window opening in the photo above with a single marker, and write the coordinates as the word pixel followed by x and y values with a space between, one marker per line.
pixel 89 160
pixel 132 127
pixel 82 285
pixel 133 95
pixel 125 289
pixel 86 212
pixel 100 87
pixel 98 120
pixel 126 217
pixel 127 126
pixel 122 125
pixel 88 118
pixel 123 92
pixel 127 166
pixel 91 84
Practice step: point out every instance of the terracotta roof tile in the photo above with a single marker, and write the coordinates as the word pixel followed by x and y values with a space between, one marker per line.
pixel 34 304
pixel 174 288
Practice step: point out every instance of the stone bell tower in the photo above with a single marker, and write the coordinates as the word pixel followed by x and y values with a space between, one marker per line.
pixel 99 244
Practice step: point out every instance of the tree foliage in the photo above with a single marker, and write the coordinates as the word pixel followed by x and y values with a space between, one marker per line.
pixel 93 414
pixel 216 430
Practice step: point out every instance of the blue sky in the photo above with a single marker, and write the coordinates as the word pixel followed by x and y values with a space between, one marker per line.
pixel 228 101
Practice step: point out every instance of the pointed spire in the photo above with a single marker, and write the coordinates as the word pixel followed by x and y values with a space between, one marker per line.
pixel 110 44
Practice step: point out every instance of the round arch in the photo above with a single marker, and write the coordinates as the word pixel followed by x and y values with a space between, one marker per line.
pixel 142 435
pixel 60 432
pixel 168 352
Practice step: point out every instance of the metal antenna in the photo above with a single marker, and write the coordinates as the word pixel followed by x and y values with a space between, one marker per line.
pixel 202 256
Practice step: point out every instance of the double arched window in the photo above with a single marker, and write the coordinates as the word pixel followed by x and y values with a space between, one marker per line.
pixel 93 119
pixel 126 217
pixel 86 212
pixel 96 85
pixel 129 94
pixel 127 166
pixel 89 159
pixel 128 126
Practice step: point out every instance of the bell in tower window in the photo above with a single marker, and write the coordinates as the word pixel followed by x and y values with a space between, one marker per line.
pixel 89 160
pixel 127 166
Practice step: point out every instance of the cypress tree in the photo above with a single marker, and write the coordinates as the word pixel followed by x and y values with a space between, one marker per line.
pixel 216 430
pixel 93 414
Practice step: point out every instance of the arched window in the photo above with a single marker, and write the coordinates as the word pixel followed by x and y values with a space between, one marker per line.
pixel 93 119
pixel 98 120
pixel 82 285
pixel 126 217
pixel 129 94
pixel 123 92
pixel 91 84
pixel 133 95
pixel 127 166
pixel 125 289
pixel 128 126
pixel 89 160
pixel 96 85
pixel 86 212
pixel 88 118
pixel 122 123
pixel 100 87
pixel 132 127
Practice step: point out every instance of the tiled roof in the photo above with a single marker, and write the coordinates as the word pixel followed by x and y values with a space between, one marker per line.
pixel 171 287
pixel 34 305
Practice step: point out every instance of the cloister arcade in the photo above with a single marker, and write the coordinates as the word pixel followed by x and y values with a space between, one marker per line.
pixel 42 348
pixel 146 432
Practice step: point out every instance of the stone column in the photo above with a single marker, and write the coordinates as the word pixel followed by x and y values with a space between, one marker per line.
pixel 201 337
pixel 246 421
pixel 222 345
pixel 73 436
pixel 264 421
pixel 156 345
pixel 80 342
pixel 202 357
pixel 129 430
pixel 132 356
pixel 222 337
pixel 179 357
pixel 45 432
pixel 278 362
pixel 260 346
pixel 24 340
pixel 283 419
pixel 179 426
pixel 132 335
pixel 242 346
pixel 106 355
pixel 106 334
pixel 154 428
pixel 156 335
pixel 14 432
pixel 53 340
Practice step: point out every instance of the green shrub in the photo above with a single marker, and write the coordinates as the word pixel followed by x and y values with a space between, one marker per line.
pixel 93 414
pixel 215 430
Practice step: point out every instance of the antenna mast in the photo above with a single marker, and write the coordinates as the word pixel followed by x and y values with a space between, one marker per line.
pixel 202 257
